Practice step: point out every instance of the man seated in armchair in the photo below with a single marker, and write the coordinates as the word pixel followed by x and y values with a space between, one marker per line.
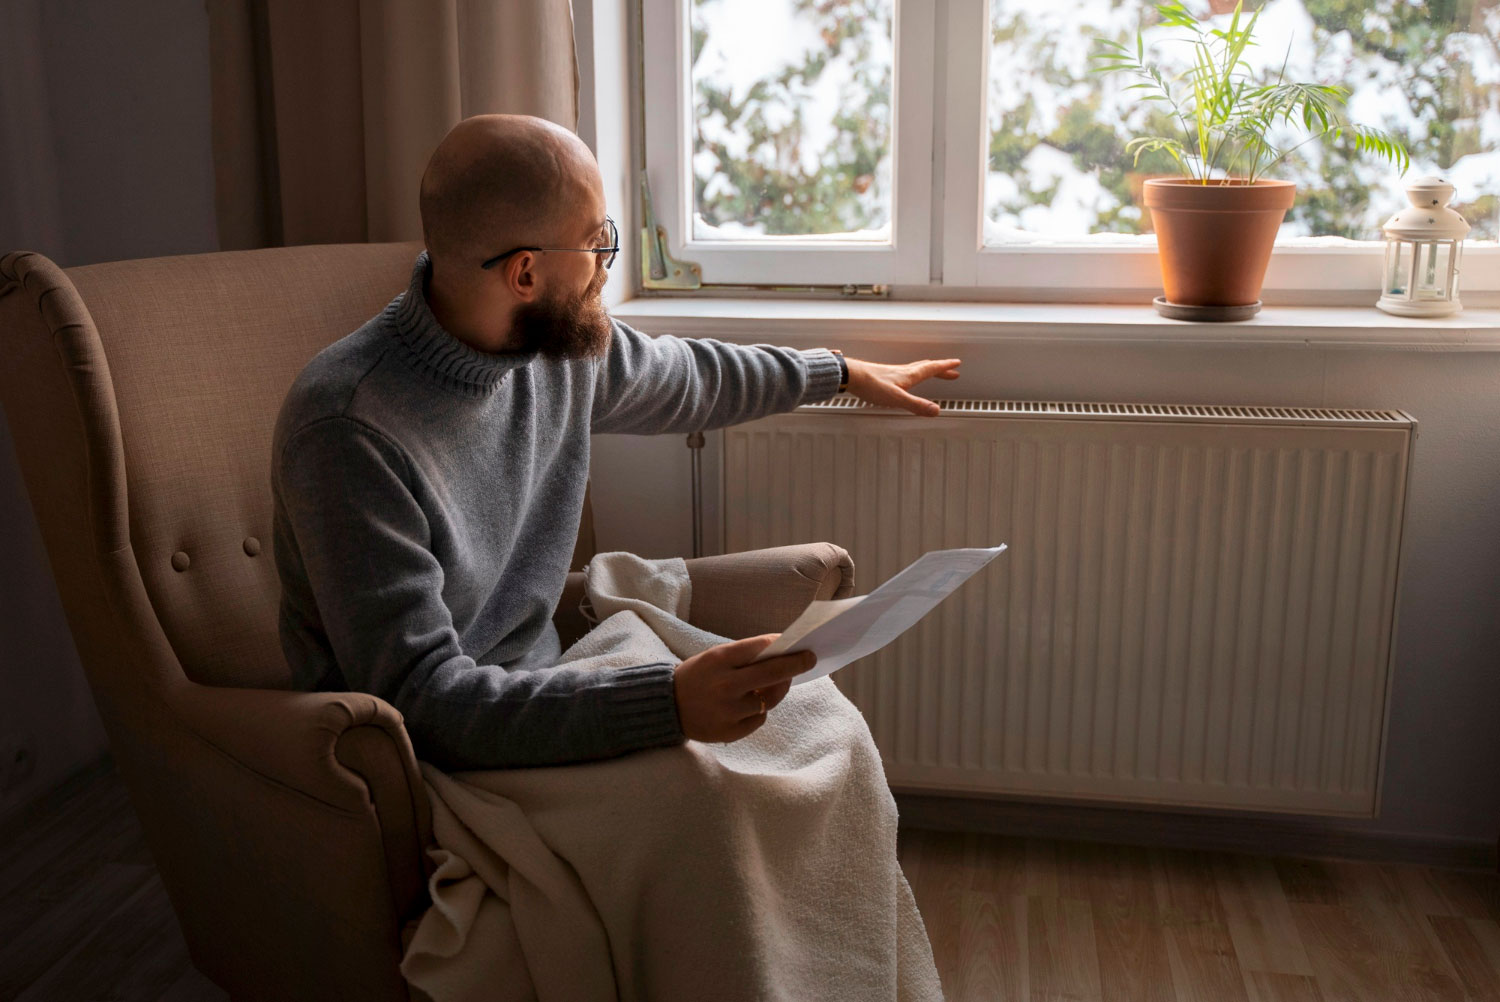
pixel 429 471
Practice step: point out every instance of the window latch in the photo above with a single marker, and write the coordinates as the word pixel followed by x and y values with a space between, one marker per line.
pixel 865 291
pixel 659 270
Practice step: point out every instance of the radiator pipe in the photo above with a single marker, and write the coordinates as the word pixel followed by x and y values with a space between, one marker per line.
pixel 695 445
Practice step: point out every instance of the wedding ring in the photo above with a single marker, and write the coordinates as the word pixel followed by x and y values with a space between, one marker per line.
pixel 762 706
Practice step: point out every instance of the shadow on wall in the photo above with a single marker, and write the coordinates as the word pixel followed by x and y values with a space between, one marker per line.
pixel 49 727
pixel 105 154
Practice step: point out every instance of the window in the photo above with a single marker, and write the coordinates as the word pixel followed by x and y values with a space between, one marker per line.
pixel 790 141
pixel 793 141
pixel 791 124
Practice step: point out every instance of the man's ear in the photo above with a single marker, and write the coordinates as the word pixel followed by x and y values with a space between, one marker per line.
pixel 521 276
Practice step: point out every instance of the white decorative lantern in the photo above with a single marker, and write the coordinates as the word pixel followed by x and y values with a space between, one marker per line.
pixel 1422 249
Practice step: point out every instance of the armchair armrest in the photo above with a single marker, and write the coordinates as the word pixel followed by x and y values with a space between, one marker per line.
pixel 347 750
pixel 762 591
pixel 289 827
pixel 741 594
pixel 291 737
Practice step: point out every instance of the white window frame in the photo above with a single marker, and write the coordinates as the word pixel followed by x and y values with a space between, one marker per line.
pixel 1061 270
pixel 801 260
pixel 1072 266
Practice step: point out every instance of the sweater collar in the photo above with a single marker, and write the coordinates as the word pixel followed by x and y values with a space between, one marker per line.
pixel 437 353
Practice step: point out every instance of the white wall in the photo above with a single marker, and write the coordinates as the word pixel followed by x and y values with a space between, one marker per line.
pixel 1443 753
pixel 104 155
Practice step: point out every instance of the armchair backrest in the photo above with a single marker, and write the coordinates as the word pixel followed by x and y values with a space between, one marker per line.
pixel 142 396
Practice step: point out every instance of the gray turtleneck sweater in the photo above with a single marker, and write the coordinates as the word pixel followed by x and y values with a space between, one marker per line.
pixel 427 497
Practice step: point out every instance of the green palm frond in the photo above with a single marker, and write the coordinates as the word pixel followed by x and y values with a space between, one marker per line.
pixel 1226 117
pixel 1153 144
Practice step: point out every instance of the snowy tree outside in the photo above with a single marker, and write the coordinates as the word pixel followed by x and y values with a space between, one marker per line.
pixel 792 125
pixel 792 118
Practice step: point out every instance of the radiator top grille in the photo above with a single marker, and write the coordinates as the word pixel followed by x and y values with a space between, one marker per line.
pixel 1216 413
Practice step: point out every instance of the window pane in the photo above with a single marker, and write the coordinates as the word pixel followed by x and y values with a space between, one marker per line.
pixel 792 119
pixel 1429 73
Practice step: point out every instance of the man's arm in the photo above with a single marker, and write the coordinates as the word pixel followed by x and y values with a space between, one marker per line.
pixel 342 488
pixel 649 386
pixel 668 384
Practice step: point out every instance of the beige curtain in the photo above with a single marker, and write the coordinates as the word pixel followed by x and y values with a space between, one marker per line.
pixel 324 113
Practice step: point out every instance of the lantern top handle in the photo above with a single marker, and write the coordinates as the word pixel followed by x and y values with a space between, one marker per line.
pixel 1429 217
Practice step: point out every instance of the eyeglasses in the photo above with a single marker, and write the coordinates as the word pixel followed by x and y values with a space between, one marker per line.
pixel 611 250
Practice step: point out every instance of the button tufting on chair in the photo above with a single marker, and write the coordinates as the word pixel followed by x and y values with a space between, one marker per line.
pixel 180 560
pixel 252 545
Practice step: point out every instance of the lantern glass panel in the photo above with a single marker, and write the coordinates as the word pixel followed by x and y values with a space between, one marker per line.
pixel 1432 269
pixel 1458 257
pixel 1398 267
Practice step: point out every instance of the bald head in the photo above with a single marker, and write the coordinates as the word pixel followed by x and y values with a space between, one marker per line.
pixel 502 181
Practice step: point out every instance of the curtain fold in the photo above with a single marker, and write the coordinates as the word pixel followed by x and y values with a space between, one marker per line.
pixel 324 114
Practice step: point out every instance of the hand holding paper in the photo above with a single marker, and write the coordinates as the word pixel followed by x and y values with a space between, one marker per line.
pixel 846 629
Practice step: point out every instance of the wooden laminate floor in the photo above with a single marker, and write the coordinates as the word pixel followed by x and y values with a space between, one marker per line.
pixel 83 918
pixel 1014 919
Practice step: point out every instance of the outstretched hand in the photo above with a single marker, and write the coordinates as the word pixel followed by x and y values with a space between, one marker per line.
pixel 886 385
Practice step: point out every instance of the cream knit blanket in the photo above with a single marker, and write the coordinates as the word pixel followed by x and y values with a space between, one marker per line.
pixel 760 869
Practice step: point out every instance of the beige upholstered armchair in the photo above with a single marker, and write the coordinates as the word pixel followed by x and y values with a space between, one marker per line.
pixel 289 827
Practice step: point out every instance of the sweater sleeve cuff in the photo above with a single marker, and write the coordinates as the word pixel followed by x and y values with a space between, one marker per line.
pixel 643 702
pixel 822 375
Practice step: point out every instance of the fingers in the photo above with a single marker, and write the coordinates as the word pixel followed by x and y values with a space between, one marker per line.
pixel 764 701
pixel 743 728
pixel 774 671
pixel 761 700
pixel 916 372
pixel 945 368
pixel 751 703
pixel 713 687
pixel 776 693
pixel 741 652
pixel 918 405
pixel 892 395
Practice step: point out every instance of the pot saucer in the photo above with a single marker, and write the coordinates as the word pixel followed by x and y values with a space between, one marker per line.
pixel 1177 311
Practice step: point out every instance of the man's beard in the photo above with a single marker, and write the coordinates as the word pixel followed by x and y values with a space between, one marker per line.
pixel 565 326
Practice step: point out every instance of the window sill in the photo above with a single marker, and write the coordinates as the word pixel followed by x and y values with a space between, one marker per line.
pixel 808 322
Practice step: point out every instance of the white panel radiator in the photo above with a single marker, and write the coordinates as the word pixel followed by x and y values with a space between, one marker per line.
pixel 1197 606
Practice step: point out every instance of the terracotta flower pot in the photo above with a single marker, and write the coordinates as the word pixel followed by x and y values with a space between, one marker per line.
pixel 1214 240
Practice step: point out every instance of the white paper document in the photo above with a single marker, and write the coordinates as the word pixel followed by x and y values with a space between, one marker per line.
pixel 847 629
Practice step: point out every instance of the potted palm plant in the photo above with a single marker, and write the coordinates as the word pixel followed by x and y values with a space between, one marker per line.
pixel 1216 223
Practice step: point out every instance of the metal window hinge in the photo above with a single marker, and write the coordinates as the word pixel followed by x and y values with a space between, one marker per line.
pixel 659 270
